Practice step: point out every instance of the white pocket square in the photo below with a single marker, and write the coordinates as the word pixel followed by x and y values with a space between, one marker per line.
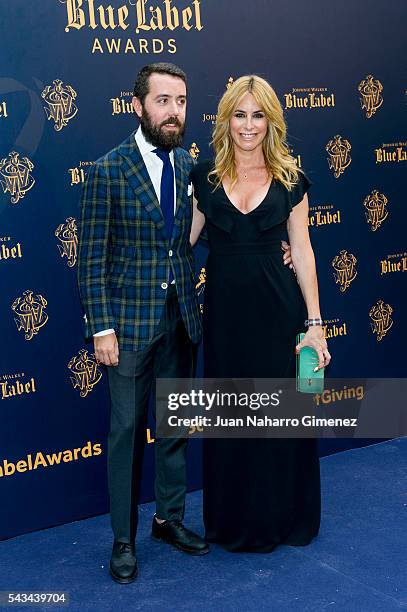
pixel 190 189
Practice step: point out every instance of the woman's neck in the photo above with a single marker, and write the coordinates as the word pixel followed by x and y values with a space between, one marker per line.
pixel 248 159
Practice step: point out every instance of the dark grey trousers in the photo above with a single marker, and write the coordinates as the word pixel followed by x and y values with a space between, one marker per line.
pixel 169 355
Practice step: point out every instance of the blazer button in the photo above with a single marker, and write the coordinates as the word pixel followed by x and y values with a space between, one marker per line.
pixel 164 286
pixel 170 253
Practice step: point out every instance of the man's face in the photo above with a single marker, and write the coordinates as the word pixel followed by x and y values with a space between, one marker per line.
pixel 162 116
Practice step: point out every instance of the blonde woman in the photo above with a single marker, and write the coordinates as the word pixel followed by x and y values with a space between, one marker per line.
pixel 258 493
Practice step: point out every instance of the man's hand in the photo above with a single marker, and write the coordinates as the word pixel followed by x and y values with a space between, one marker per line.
pixel 287 255
pixel 107 349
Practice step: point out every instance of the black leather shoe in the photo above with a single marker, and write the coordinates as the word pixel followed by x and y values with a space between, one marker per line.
pixel 123 563
pixel 174 533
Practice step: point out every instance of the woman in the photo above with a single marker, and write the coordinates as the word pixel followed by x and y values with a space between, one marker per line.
pixel 258 493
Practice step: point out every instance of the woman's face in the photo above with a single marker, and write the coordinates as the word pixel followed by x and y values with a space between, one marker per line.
pixel 248 125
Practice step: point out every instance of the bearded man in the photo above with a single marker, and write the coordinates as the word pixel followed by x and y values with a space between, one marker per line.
pixel 137 287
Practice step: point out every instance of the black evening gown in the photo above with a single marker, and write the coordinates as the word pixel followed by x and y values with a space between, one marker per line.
pixel 258 493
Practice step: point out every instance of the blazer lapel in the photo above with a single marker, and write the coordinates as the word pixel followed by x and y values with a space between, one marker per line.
pixel 136 173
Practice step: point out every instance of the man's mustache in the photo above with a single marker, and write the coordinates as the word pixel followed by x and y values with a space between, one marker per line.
pixel 172 121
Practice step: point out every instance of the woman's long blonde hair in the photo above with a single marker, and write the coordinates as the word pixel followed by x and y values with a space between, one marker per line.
pixel 279 163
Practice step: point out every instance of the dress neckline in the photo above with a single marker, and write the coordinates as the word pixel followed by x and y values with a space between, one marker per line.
pixel 253 209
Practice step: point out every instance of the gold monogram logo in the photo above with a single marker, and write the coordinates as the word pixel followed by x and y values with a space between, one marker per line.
pixel 375 205
pixel 16 177
pixel 31 314
pixel 381 321
pixel 200 286
pixel 67 234
pixel 370 95
pixel 339 157
pixel 194 151
pixel 61 106
pixel 344 265
pixel 86 373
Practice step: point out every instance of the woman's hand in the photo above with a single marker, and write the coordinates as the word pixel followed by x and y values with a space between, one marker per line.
pixel 314 337
pixel 287 261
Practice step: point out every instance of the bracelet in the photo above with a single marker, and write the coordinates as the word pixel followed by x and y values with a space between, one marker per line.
pixel 311 322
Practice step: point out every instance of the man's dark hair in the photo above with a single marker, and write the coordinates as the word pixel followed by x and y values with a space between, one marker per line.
pixel 141 86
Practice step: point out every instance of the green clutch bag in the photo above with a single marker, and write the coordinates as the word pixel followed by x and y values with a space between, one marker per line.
pixel 308 381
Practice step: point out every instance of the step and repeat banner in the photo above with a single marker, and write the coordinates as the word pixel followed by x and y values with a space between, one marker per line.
pixel 66 81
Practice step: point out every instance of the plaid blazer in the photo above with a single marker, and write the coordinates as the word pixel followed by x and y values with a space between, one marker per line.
pixel 124 256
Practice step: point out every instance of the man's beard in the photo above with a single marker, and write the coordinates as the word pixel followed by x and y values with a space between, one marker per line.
pixel 156 136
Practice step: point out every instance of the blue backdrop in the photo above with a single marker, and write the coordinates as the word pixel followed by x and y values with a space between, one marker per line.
pixel 67 73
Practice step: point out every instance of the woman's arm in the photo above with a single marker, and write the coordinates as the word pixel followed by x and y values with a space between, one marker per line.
pixel 304 262
pixel 198 221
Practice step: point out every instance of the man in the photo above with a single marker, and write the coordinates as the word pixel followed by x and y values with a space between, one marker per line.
pixel 136 281
pixel 136 218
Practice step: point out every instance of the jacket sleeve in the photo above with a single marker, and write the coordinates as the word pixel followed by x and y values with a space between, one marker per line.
pixel 95 214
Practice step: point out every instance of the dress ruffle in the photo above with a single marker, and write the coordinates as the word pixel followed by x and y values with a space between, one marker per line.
pixel 218 215
pixel 274 215
pixel 299 190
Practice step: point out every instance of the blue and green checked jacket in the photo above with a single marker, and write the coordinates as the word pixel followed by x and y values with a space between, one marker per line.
pixel 124 254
